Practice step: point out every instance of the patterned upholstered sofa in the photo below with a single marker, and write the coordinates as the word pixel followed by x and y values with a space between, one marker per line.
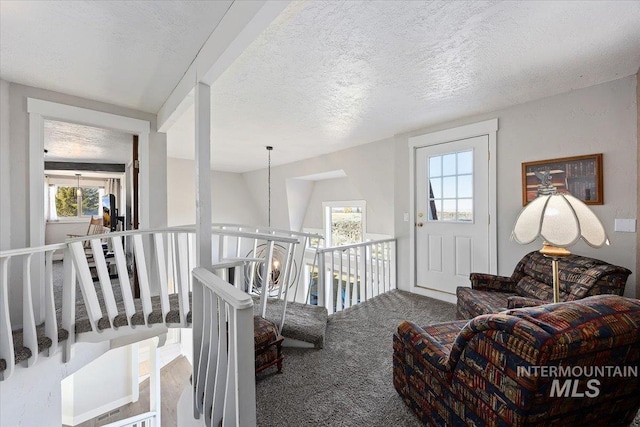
pixel 531 284
pixel 496 369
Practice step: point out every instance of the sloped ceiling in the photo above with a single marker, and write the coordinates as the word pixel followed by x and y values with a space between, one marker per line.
pixel 128 53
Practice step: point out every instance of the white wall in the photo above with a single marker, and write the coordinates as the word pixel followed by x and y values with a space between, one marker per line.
pixel 230 199
pixel 598 119
pixel 56 232
pixel 105 384
pixel 33 396
pixel 5 167
pixel 638 179
pixel 370 174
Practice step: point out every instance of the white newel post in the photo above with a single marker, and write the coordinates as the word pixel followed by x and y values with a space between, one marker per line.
pixel 203 213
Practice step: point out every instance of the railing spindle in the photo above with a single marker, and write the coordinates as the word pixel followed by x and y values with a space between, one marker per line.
pixel 103 278
pixel 143 276
pixel 29 334
pixel 6 338
pixel 161 263
pixel 50 322
pixel 123 278
pixel 183 276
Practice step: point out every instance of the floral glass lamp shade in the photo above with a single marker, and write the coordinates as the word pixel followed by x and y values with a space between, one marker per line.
pixel 560 220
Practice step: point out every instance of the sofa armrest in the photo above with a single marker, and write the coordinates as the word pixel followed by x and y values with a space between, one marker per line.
pixel 422 343
pixel 490 282
pixel 521 302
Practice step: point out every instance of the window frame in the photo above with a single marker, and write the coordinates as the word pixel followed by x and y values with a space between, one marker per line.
pixel 326 217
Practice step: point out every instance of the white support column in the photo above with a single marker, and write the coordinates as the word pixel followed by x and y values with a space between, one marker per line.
pixel 203 174
pixel 203 220
pixel 155 403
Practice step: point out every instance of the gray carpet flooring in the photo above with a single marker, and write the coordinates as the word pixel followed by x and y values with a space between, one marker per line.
pixel 303 322
pixel 349 381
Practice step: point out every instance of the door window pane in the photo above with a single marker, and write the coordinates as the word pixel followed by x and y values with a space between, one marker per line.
pixel 451 187
pixel 448 210
pixel 465 210
pixel 449 164
pixel 436 188
pixel 465 162
pixel 435 209
pixel 435 166
pixel 465 185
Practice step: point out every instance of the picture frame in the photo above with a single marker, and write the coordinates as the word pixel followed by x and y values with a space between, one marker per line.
pixel 580 176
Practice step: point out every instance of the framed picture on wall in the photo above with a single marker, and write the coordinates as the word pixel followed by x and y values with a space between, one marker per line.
pixel 581 176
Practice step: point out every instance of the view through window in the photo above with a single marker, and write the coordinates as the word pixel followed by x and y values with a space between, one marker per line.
pixel 77 202
pixel 344 223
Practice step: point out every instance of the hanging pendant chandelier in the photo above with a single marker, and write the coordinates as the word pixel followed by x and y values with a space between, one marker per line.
pixel 256 272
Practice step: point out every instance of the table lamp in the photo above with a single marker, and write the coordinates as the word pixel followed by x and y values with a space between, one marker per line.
pixel 560 220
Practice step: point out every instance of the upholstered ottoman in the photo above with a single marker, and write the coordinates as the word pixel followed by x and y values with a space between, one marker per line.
pixel 268 344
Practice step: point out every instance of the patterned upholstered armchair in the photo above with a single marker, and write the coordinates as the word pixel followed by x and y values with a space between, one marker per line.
pixel 498 369
pixel 531 284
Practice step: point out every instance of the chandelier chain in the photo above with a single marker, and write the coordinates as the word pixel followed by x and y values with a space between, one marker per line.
pixel 269 148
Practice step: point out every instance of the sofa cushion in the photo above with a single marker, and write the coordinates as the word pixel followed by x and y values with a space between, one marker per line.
pixel 473 302
pixel 532 288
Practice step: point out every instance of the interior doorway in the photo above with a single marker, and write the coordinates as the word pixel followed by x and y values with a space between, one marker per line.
pixel 39 111
pixel 87 176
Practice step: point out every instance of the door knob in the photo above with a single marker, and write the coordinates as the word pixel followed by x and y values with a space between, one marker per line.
pixel 419 224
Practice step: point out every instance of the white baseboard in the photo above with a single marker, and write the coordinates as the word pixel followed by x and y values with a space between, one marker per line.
pixel 96 412
pixel 432 293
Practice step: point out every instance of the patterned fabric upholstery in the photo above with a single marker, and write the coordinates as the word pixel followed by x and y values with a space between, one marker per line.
pixel 532 280
pixel 268 344
pixel 472 301
pixel 472 377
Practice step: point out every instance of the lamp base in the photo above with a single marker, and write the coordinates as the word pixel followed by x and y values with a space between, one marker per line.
pixel 554 253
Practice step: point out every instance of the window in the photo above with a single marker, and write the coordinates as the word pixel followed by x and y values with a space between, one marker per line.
pixel 73 202
pixel 344 222
pixel 451 187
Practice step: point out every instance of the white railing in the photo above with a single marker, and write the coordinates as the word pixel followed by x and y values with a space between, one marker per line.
pixel 148 419
pixel 164 257
pixel 351 274
pixel 291 284
pixel 37 301
pixel 224 373
pixel 163 261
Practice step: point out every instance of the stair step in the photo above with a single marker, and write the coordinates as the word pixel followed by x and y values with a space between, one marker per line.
pixel 23 353
pixel 173 315
pixel 303 322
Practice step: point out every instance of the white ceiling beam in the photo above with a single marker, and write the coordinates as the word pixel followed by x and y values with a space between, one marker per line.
pixel 239 27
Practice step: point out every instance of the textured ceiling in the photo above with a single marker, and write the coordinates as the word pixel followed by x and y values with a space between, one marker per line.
pixel 78 143
pixel 129 53
pixel 329 75
pixel 325 75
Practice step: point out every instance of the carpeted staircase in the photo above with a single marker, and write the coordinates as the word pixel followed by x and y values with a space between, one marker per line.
pixel 303 322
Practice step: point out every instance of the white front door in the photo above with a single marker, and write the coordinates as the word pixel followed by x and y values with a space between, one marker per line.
pixel 451 214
